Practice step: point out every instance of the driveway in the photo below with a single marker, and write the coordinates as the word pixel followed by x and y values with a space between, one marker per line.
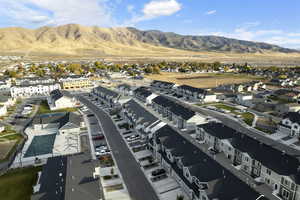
pixel 138 186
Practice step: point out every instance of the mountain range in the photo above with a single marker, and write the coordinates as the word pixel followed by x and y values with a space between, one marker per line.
pixel 80 40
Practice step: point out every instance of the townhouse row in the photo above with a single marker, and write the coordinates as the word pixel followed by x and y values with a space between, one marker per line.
pixel 186 92
pixel 198 175
pixel 260 161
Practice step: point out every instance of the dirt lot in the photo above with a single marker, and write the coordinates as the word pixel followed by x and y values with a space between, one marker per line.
pixel 5 147
pixel 205 80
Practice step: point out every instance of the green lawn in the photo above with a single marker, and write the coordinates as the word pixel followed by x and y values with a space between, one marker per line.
pixel 248 118
pixel 225 107
pixel 44 108
pixel 17 184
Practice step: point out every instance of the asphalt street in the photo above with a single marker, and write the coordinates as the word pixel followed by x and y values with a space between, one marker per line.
pixel 138 186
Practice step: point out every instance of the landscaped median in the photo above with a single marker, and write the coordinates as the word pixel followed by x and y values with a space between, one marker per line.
pixel 17 184
pixel 247 117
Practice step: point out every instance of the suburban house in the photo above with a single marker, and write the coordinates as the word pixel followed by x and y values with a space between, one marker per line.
pixel 144 95
pixel 281 82
pixel 65 122
pixel 182 117
pixel 5 85
pixel 195 94
pixel 261 161
pixel 125 89
pixel 201 177
pixel 2 128
pixel 33 90
pixel 163 86
pixel 75 82
pixel 7 100
pixel 57 101
pixel 109 97
pixel 3 110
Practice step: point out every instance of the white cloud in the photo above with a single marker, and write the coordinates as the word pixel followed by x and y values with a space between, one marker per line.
pixel 250 31
pixel 157 8
pixel 58 12
pixel 211 12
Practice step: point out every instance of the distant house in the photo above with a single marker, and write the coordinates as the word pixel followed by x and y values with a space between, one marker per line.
pixel 195 94
pixel 281 82
pixel 3 110
pixel 7 100
pixel 245 99
pixel 57 101
pixel 163 85
pixel 287 107
pixel 125 89
pixel 2 128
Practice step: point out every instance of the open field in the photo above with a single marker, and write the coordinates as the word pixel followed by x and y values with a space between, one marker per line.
pixel 8 144
pixel 17 184
pixel 205 80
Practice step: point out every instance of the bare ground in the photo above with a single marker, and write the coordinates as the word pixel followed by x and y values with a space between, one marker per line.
pixel 205 80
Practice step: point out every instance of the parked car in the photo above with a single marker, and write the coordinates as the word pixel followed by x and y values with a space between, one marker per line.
pixel 98 137
pixel 157 172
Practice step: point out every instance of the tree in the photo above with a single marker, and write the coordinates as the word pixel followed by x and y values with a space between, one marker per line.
pixel 180 197
pixel 156 70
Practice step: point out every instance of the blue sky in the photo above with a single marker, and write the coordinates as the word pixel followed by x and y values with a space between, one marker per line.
pixel 272 21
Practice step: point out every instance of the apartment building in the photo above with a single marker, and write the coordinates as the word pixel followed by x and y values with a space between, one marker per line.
pixel 33 90
pixel 75 82
pixel 34 80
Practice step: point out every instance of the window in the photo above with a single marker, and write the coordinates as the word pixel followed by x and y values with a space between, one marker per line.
pixel 285 194
pixel 246 159
pixel 229 148
pixel 269 172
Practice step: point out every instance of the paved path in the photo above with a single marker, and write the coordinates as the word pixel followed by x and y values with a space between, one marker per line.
pixel 138 186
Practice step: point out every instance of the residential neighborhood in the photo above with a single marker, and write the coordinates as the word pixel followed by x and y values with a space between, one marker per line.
pixel 116 136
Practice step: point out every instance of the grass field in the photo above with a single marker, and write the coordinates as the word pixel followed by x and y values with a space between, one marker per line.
pixel 203 80
pixel 8 145
pixel 17 184
pixel 44 108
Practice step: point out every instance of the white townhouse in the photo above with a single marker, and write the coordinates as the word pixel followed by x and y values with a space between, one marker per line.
pixel 24 91
pixel 57 101
pixel 290 124
pixel 3 110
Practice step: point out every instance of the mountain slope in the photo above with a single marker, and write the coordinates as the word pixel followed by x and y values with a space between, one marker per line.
pixel 205 43
pixel 79 40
